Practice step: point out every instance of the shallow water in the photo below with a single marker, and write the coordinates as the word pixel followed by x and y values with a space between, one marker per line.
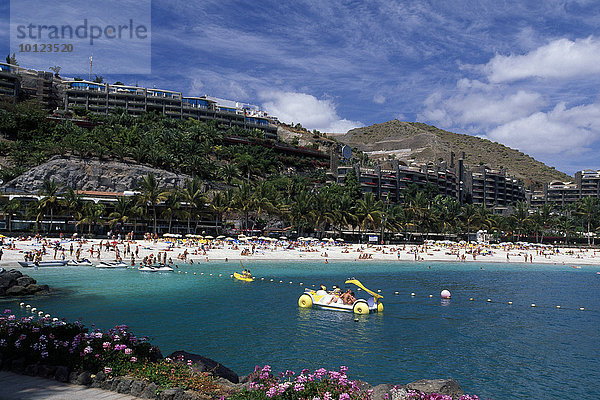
pixel 493 349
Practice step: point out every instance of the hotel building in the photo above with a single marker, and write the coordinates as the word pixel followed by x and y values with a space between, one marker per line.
pixel 18 83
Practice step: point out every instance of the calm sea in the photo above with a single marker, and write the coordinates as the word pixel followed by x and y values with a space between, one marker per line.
pixel 495 350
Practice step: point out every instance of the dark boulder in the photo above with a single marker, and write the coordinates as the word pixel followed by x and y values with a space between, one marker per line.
pixel 98 379
pixel 448 387
pixel 203 364
pixel 25 280
pixel 85 378
pixel 137 388
pixel 17 291
pixel 46 371
pixel 170 394
pixel 18 365
pixel 124 386
pixel 150 391
pixel 62 374
pixel 9 278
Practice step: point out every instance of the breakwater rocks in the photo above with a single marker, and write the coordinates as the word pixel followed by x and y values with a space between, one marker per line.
pixel 14 283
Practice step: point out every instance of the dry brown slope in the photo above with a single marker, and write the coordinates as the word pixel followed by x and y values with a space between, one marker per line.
pixel 424 143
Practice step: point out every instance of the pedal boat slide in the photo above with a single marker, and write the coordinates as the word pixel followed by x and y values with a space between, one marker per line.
pixel 320 298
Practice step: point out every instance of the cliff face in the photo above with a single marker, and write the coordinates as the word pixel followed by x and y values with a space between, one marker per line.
pixel 105 176
pixel 423 143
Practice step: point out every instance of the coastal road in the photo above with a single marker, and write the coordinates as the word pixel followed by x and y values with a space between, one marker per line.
pixel 22 387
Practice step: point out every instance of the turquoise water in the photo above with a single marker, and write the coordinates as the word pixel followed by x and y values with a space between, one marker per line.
pixel 493 349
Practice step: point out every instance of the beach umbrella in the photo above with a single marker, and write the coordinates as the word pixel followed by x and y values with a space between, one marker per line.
pixel 339 240
pixel 220 237
pixel 229 239
pixel 208 237
pixel 282 237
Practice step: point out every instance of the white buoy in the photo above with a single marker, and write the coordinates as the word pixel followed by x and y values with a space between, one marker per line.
pixel 301 283
pixel 262 279
pixel 27 306
pixel 412 294
pixel 557 306
pixel 185 272
pixel 178 272
pixel 271 280
pixel 445 294
pixel 280 281
pixel 430 295
pixel 195 273
pixel 581 308
pixel 489 300
pixel 510 303
pixel 201 273
pixel 33 309
pixel 47 316
pixel 210 274
pixel 378 290
pixel 219 274
pixel 396 293
pixel 532 304
pixel 54 319
pixel 291 282
pixel 40 313
pixel 471 299
pixel 21 304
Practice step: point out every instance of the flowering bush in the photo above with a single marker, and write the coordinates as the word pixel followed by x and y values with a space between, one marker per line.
pixel 319 385
pixel 71 344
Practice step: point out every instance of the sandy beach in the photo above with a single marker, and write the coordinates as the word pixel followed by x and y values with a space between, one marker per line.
pixel 203 251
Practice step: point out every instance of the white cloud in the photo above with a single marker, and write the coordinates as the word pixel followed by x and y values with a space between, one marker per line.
pixel 559 131
pixel 306 109
pixel 480 104
pixel 379 99
pixel 561 58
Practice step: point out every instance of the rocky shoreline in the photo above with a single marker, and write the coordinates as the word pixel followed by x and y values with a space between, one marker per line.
pixel 228 381
pixel 14 284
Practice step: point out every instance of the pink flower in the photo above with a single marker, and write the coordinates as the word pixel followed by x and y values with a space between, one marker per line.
pixel 133 359
pixel 106 345
pixel 127 351
pixel 107 370
pixel 298 387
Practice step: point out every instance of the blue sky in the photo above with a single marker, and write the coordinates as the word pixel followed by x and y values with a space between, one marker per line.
pixel 525 74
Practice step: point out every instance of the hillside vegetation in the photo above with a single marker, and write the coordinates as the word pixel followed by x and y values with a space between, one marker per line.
pixel 423 143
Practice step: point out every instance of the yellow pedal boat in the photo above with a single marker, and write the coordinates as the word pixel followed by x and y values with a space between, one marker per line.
pixel 322 299
pixel 242 277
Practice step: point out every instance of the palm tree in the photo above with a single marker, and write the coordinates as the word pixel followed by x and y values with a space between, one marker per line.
pixel 11 208
pixel 241 201
pixel 152 194
pixel 49 201
pixel 192 194
pixel 228 172
pixel 91 215
pixel 171 208
pixel 520 216
pixel 123 211
pixel 245 163
pixel 221 204
pixel 263 199
pixel 73 202
pixel 369 211
pixel 469 216
pixel 588 208
pixel 301 209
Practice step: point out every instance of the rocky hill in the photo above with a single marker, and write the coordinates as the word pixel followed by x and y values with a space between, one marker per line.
pixel 91 174
pixel 414 141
